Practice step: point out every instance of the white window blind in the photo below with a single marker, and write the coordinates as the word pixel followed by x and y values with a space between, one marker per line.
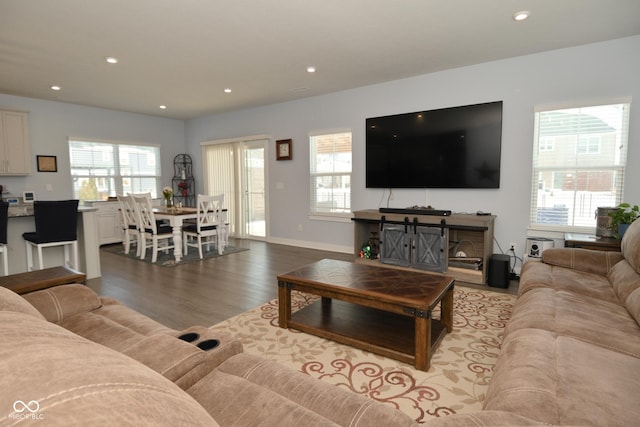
pixel 579 158
pixel 101 169
pixel 221 177
pixel 330 173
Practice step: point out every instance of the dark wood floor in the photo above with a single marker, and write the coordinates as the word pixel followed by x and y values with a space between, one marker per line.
pixel 207 292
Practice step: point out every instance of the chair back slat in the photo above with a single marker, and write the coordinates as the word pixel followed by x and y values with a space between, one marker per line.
pixel 209 209
pixel 144 213
pixel 127 212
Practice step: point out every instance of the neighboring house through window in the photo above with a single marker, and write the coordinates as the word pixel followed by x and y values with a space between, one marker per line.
pixel 579 159
pixel 101 169
pixel 330 173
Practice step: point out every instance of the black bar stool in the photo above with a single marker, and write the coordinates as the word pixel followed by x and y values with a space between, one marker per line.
pixel 56 225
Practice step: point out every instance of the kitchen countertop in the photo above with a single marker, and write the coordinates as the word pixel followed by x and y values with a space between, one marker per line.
pixel 24 209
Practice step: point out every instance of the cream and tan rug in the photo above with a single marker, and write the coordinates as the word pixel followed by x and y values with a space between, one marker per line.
pixel 461 367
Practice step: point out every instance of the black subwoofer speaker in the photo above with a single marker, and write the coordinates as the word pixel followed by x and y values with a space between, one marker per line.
pixel 499 271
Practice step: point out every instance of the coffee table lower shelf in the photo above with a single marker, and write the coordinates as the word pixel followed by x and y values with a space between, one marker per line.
pixel 381 332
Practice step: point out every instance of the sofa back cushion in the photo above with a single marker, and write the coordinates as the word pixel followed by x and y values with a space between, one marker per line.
pixel 626 283
pixel 51 375
pixel 61 302
pixel 630 245
pixel 10 301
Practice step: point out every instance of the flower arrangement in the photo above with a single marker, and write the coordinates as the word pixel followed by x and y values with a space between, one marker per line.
pixel 167 192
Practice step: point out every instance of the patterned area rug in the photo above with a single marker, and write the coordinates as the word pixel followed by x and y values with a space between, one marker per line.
pixel 461 367
pixel 167 259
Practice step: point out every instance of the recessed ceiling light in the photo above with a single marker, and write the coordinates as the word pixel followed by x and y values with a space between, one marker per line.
pixel 111 59
pixel 227 90
pixel 163 107
pixel 522 15
pixel 55 87
pixel 311 69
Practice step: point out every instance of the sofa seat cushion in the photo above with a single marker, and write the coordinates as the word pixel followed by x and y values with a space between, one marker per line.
pixel 564 381
pixel 240 403
pixel 588 319
pixel 248 390
pixel 114 325
pixel 72 381
pixel 541 275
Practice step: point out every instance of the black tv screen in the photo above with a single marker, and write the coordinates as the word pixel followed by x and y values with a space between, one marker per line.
pixel 456 147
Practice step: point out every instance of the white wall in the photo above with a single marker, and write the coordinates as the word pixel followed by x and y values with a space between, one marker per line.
pixel 596 71
pixel 52 123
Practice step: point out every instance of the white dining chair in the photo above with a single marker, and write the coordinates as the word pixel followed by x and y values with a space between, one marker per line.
pixel 152 235
pixel 129 220
pixel 207 226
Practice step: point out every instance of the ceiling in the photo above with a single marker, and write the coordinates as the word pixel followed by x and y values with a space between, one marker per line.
pixel 184 53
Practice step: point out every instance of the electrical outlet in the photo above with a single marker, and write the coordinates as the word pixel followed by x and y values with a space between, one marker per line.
pixel 512 247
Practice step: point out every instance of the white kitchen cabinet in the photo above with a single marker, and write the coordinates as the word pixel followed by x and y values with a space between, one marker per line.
pixel 108 221
pixel 15 151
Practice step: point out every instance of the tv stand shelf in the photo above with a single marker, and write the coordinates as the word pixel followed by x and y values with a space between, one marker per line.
pixel 470 233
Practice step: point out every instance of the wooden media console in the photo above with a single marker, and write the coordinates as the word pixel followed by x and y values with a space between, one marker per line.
pixel 468 233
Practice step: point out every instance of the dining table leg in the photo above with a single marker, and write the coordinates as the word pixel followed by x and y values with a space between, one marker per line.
pixel 176 223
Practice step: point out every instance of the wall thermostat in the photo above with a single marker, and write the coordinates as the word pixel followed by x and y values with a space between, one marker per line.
pixel 28 197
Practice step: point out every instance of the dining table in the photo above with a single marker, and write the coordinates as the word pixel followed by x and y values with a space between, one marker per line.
pixel 176 216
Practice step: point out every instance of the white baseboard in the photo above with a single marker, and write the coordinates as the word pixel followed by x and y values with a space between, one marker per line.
pixel 311 245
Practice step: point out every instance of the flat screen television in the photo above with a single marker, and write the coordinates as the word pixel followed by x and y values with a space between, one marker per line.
pixel 456 147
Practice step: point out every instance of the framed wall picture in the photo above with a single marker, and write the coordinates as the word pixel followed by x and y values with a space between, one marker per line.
pixel 283 149
pixel 47 163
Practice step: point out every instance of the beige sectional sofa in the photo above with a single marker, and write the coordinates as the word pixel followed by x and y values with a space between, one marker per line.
pixel 571 351
pixel 570 356
pixel 69 357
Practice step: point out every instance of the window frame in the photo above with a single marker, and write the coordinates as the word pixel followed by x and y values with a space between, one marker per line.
pixel 590 164
pixel 314 213
pixel 116 166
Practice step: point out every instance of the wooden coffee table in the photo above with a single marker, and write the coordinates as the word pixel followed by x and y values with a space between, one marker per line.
pixel 386 311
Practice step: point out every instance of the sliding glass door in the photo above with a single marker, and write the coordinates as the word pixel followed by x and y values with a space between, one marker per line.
pixel 254 197
pixel 236 168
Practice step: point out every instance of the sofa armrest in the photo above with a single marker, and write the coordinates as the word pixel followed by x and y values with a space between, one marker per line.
pixel 64 301
pixel 587 260
pixel 183 362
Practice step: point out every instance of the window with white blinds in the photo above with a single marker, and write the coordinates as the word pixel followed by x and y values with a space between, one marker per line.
pixel 579 158
pixel 101 169
pixel 330 173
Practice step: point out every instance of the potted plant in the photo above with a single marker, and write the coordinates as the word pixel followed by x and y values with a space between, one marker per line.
pixel 622 217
